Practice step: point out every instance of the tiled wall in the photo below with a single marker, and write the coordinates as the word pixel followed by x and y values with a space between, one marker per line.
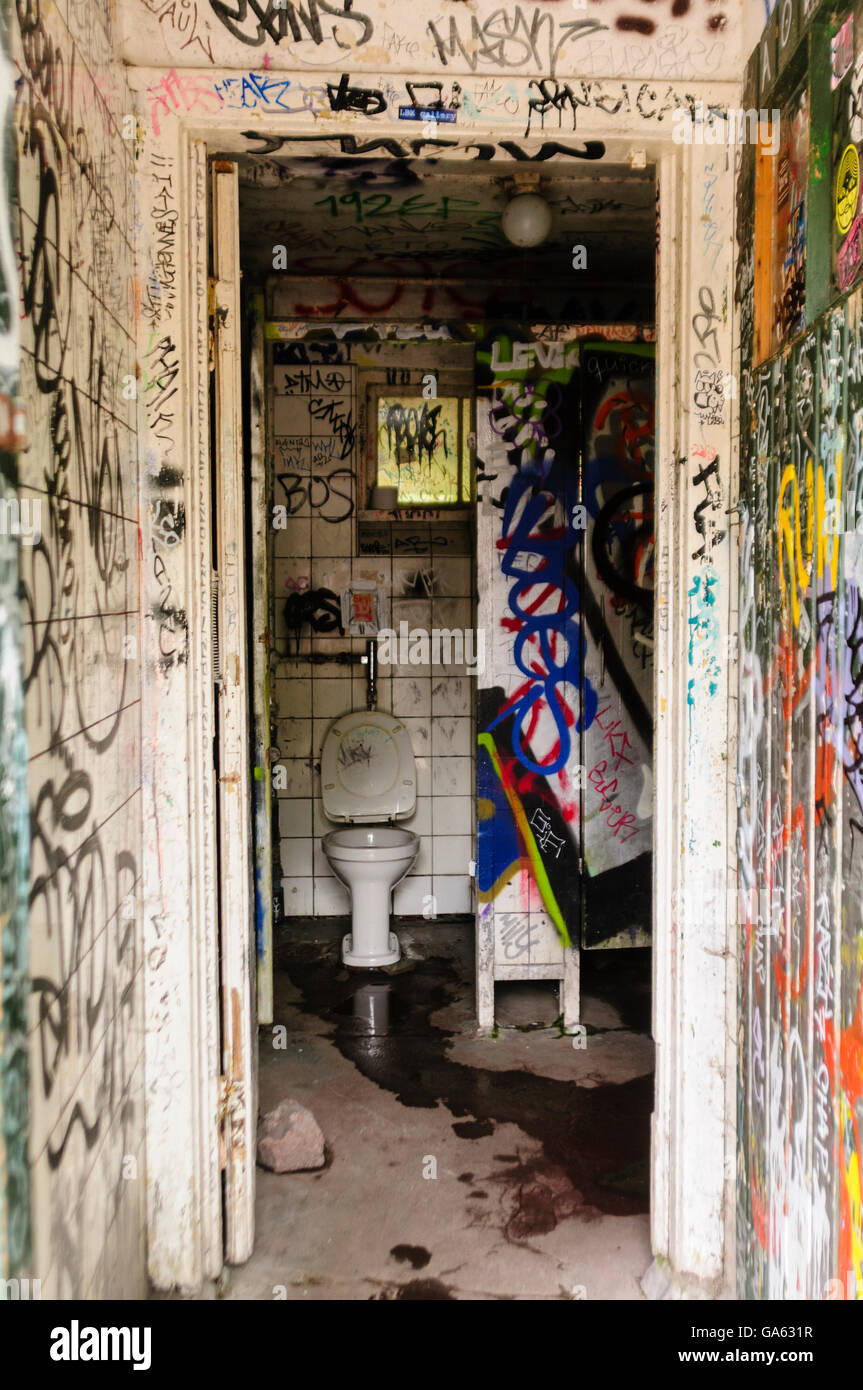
pixel 81 653
pixel 430 589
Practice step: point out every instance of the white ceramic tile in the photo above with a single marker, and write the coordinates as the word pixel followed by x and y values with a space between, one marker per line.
pixel 330 644
pixel 424 775
pixel 298 896
pixel 450 613
pixel 320 823
pixel 332 898
pixel 413 579
pixel 294 738
pixel 411 668
pixel 332 696
pixel 296 857
pixel 452 815
pixel 375 569
pixel 453 894
pixel 291 699
pixel 420 736
pixel 421 820
pixel 450 538
pixel 331 539
pixel 453 576
pixel 295 816
pixel 411 696
pixel 452 776
pixel 320 729
pixel 416 613
pixel 411 896
pixel 452 854
pixel 291 574
pixel 451 737
pixel 291 415
pixel 294 539
pixel 329 572
pixel 297 777
pixel 451 695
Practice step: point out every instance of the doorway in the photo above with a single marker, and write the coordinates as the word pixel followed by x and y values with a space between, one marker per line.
pixel 339 381
pixel 687 1209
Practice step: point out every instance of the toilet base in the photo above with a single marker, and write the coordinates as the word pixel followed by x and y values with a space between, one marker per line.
pixel 371 962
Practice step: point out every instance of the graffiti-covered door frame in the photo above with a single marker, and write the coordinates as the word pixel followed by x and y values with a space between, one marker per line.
pixel 237 956
pixel 693 790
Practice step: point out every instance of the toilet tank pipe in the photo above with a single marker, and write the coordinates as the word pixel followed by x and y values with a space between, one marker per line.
pixel 371 673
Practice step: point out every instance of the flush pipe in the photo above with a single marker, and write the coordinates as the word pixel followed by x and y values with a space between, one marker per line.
pixel 372 673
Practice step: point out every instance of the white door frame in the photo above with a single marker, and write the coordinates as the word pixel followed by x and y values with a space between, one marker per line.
pixel 236 900
pixel 180 859
pixel 694 995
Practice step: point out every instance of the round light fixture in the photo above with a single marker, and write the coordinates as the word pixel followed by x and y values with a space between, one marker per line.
pixel 526 220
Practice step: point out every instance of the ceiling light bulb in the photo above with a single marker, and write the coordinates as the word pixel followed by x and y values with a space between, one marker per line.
pixel 526 220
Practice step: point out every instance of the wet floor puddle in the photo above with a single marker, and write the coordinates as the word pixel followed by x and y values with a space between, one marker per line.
pixel 595 1141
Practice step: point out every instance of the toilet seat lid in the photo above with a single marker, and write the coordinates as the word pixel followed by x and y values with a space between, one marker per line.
pixel 368 772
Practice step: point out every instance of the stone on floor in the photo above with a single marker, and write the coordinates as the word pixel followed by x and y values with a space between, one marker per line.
pixel 290 1139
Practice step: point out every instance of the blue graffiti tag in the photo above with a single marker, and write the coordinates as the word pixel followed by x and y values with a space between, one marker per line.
pixel 562 625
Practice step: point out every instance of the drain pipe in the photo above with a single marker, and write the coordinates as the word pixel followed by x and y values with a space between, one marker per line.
pixel 372 673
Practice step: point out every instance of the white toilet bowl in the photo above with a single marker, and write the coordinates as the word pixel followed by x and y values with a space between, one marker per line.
pixel 368 781
pixel 370 860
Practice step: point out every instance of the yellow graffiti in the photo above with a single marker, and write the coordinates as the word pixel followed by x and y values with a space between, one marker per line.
pixel 853 1213
pixel 791 541
pixel 821 532
pixel 540 876
pixel 510 872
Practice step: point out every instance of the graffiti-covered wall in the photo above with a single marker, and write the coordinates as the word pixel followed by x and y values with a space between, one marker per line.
pixel 16 530
pixel 801 820
pixel 674 38
pixel 565 547
pixel 800 736
pixel 81 649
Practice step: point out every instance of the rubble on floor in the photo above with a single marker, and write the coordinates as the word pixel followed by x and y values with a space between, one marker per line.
pixel 290 1139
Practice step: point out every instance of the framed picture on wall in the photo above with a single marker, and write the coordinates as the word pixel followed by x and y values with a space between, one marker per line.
pixel 364 608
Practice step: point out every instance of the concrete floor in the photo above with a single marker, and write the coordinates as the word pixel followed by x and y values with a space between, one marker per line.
pixel 540 1150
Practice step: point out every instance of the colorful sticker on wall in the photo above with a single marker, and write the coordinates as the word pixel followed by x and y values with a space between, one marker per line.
pixel 847 188
pixel 426 113
pixel 850 255
pixel 364 609
pixel 841 52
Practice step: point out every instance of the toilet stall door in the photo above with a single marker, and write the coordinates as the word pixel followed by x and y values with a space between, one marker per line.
pixel 530 699
pixel 564 701
pixel 616 589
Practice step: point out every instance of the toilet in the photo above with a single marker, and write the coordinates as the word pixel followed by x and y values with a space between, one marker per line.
pixel 368 781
